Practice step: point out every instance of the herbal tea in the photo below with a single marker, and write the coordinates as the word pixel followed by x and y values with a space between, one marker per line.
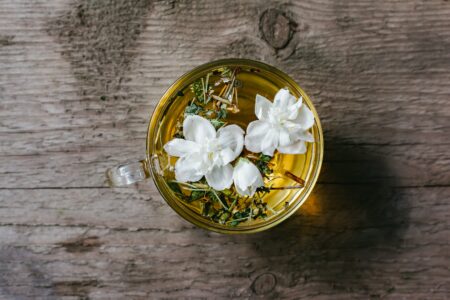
pixel 234 145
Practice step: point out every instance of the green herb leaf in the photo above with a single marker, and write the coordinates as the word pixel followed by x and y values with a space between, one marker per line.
pixel 263 168
pixel 216 123
pixel 192 109
pixel 241 215
pixel 222 113
pixel 226 72
pixel 263 189
pixel 218 197
pixel 227 192
pixel 265 158
pixel 224 217
pixel 197 89
pixel 195 195
pixel 234 223
pixel 263 164
pixel 174 187
pixel 179 135
pixel 206 209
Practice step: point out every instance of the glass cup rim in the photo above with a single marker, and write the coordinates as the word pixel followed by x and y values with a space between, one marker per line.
pixel 165 100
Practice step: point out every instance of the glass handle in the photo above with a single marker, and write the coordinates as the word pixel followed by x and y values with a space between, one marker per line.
pixel 127 174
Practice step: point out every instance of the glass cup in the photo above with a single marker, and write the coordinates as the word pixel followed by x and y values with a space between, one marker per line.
pixel 162 123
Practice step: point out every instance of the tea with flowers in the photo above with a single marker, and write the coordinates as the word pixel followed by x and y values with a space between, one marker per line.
pixel 236 150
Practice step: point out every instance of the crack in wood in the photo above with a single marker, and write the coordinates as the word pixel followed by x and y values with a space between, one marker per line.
pixel 78 288
pixel 80 245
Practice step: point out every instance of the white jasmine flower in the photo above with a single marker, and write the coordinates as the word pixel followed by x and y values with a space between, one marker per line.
pixel 205 152
pixel 246 177
pixel 282 125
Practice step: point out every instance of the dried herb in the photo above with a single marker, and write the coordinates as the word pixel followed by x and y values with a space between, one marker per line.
pixel 197 89
pixel 217 123
pixel 218 196
pixel 263 189
pixel 202 89
pixel 174 187
pixel 178 134
pixel 226 72
pixel 222 113
pixel 195 195
pixel 206 209
pixel 263 164
pixel 193 109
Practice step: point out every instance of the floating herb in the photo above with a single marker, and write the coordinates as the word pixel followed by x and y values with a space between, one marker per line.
pixel 175 187
pixel 217 123
pixel 193 109
pixel 197 89
pixel 263 164
pixel 225 72
pixel 195 195
pixel 222 113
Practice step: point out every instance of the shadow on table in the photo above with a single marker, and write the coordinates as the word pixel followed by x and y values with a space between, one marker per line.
pixel 345 230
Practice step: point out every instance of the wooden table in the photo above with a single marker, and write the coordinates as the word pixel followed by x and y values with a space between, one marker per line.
pixel 79 79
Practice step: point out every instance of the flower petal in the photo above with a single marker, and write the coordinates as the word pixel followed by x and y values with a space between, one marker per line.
pixel 189 168
pixel 305 118
pixel 283 98
pixel 228 155
pixel 232 137
pixel 249 191
pixel 270 142
pixel 220 177
pixel 262 107
pixel 180 147
pixel 247 178
pixel 283 137
pixel 256 132
pixel 258 128
pixel 197 129
pixel 304 136
pixel 222 157
pixel 293 109
pixel 298 147
pixel 243 176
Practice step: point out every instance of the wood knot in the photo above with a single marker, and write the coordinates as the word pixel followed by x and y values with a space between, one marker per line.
pixel 264 284
pixel 276 28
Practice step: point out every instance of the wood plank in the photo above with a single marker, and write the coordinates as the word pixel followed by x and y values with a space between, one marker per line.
pixel 344 241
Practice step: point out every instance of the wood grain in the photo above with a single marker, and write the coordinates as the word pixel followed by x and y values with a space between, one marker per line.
pixel 80 78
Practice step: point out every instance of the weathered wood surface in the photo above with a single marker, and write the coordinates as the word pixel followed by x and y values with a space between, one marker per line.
pixel 79 79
